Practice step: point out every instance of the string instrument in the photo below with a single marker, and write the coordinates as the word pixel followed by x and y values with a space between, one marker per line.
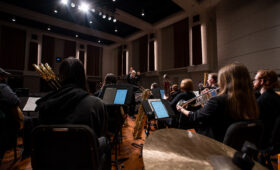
pixel 47 74
pixel 201 99
pixel 141 118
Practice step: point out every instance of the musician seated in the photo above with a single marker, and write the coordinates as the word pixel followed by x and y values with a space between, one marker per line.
pixel 212 82
pixel 153 87
pixel 186 93
pixel 72 103
pixel 110 79
pixel 235 102
pixel 11 117
pixel 174 92
pixel 269 103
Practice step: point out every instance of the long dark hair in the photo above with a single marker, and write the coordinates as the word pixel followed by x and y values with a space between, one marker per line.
pixel 235 82
pixel 71 71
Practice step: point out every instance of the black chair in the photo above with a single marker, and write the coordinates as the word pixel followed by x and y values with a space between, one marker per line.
pixel 274 148
pixel 239 132
pixel 65 147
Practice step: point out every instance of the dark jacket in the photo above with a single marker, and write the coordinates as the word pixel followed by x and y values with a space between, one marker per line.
pixel 181 96
pixel 269 106
pixel 134 80
pixel 71 105
pixel 214 118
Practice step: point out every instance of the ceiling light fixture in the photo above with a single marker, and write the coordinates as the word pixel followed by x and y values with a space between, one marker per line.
pixel 109 18
pixel 142 13
pixel 13 19
pixel 49 28
pixel 93 10
pixel 100 13
pixel 116 30
pixel 55 11
pixel 90 22
pixel 77 36
pixel 99 41
pixel 64 2
pixel 104 16
pixel 84 7
pixel 73 5
pixel 114 20
pixel 114 0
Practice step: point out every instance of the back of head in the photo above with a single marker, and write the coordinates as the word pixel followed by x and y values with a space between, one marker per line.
pixel 270 78
pixel 71 71
pixel 110 78
pixel 235 82
pixel 214 76
pixel 187 85
pixel 154 85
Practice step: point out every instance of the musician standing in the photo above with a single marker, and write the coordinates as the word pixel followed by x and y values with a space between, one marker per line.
pixel 11 117
pixel 269 103
pixel 235 102
pixel 133 78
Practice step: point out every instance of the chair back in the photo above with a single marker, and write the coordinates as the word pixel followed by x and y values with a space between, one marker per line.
pixel 239 132
pixel 64 147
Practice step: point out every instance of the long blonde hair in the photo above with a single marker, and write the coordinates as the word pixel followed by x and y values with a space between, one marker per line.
pixel 235 82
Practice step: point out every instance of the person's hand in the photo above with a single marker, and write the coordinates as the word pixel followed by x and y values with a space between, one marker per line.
pixel 179 108
pixel 138 73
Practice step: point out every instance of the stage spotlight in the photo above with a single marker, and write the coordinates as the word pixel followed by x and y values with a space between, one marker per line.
pixel 114 20
pixel 104 16
pixel 64 2
pixel 84 7
pixel 73 5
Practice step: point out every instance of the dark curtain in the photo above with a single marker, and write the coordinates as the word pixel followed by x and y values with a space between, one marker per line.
pixel 69 48
pixel 181 43
pixel 196 45
pixel 82 56
pixel 12 49
pixel 48 50
pixel 33 55
pixel 93 59
pixel 119 61
pixel 151 56
pixel 143 51
pixel 124 62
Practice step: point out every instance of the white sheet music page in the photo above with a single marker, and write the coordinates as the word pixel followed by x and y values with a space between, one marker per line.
pixel 30 104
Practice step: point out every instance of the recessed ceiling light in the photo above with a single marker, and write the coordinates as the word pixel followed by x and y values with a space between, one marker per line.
pixel 116 30
pixel 55 11
pixel 99 41
pixel 109 18
pixel 73 5
pixel 114 20
pixel 104 16
pixel 90 22
pixel 64 2
pixel 100 13
pixel 92 10
pixel 13 19
pixel 114 0
pixel 49 28
pixel 84 7
pixel 142 13
pixel 77 36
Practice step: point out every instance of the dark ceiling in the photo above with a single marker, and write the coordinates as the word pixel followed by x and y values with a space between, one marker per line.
pixel 155 10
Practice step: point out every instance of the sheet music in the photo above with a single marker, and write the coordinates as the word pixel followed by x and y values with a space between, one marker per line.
pixel 30 104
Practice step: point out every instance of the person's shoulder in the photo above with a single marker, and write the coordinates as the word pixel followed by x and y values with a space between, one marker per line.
pixel 93 99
